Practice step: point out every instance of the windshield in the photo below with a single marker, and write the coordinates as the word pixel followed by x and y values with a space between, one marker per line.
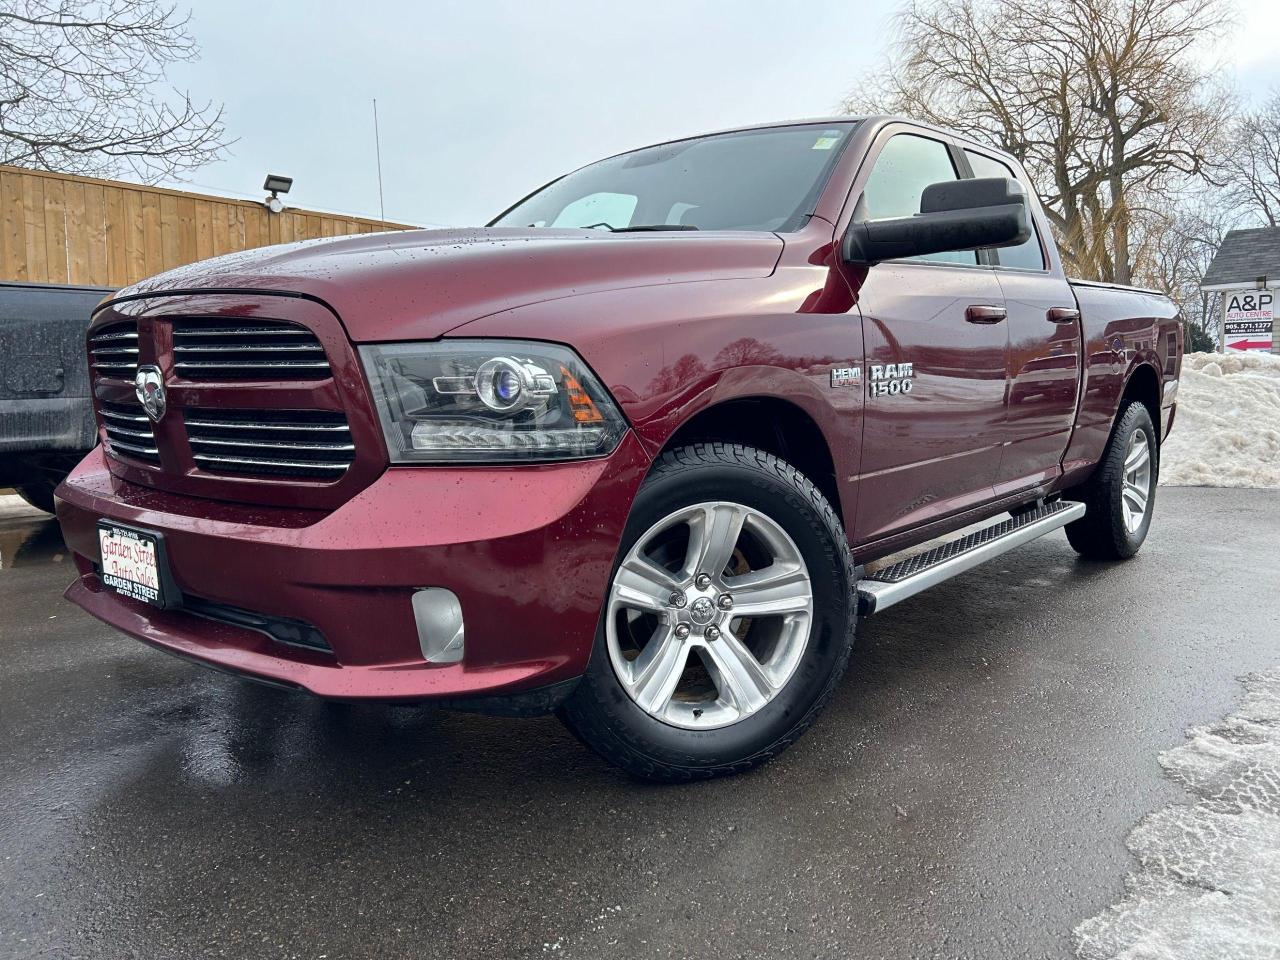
pixel 762 180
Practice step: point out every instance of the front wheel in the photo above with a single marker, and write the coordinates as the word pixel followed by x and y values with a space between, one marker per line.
pixel 1121 494
pixel 728 622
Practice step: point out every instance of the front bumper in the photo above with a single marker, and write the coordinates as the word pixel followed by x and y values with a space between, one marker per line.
pixel 527 550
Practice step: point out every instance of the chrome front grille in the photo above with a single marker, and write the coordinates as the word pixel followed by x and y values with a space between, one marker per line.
pixel 308 444
pixel 113 351
pixel 218 349
pixel 129 432
pixel 255 402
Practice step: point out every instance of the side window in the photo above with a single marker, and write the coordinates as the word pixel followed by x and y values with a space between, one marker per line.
pixel 1026 256
pixel 907 165
pixel 615 209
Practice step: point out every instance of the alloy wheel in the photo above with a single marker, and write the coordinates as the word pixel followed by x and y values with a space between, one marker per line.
pixel 709 615
pixel 1135 494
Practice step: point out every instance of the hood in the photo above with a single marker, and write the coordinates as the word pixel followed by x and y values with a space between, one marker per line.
pixel 420 284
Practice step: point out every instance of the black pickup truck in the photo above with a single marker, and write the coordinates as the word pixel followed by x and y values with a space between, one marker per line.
pixel 46 418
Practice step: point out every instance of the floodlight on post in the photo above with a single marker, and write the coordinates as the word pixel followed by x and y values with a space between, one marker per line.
pixel 276 185
pixel 1260 283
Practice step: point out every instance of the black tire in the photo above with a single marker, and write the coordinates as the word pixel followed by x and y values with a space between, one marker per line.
pixel 601 713
pixel 1101 534
pixel 39 494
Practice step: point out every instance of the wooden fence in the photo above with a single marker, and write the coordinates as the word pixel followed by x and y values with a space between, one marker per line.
pixel 56 228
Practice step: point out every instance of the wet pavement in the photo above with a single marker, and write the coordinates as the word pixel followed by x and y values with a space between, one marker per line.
pixel 967 794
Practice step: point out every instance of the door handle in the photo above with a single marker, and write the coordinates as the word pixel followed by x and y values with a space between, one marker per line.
pixel 985 313
pixel 1063 314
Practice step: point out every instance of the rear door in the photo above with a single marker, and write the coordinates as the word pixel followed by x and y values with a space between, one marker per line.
pixel 935 362
pixel 1044 349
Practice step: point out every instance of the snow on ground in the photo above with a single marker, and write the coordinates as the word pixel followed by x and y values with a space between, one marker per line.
pixel 1208 881
pixel 1227 429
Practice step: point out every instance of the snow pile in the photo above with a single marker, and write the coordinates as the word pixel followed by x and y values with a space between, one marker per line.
pixel 1227 430
pixel 1208 885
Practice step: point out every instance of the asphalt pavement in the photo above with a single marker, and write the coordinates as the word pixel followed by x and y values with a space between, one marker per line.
pixel 967 794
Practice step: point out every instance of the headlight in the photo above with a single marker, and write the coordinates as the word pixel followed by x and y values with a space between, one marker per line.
pixel 487 401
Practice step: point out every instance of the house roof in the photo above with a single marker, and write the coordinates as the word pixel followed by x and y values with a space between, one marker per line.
pixel 1244 256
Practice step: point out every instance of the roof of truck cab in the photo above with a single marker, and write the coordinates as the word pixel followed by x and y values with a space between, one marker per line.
pixel 811 121
pixel 877 119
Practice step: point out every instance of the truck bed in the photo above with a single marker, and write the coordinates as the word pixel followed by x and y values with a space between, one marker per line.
pixel 1122 329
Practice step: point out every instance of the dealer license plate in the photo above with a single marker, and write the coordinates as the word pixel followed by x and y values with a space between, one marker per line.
pixel 133 563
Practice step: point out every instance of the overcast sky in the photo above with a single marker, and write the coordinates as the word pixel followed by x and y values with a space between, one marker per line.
pixel 480 102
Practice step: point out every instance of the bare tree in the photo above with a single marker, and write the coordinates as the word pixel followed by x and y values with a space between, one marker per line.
pixel 1251 163
pixel 1183 244
pixel 1104 101
pixel 79 89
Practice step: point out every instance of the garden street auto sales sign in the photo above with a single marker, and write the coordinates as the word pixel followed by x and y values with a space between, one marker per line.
pixel 1248 320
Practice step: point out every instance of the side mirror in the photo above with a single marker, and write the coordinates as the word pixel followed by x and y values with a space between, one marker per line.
pixel 955 215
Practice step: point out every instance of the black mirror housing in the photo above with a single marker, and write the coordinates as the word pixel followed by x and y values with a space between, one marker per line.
pixel 971 214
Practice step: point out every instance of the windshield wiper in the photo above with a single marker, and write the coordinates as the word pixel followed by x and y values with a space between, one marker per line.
pixel 637 228
pixel 654 227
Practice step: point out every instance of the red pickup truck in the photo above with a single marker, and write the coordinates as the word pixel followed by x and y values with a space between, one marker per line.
pixel 640 452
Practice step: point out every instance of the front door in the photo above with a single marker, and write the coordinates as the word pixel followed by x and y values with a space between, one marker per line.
pixel 935 360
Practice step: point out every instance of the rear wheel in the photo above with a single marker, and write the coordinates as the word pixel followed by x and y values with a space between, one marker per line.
pixel 1121 494
pixel 729 618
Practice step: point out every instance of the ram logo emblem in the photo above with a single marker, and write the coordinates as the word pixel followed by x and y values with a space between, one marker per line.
pixel 148 386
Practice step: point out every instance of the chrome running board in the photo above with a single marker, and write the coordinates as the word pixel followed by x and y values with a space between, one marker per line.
pixel 908 577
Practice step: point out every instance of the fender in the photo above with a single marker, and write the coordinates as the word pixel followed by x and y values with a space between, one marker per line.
pixel 669 352
pixel 1089 439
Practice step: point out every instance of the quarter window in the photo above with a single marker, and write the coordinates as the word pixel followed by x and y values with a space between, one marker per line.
pixel 1025 256
pixel 907 165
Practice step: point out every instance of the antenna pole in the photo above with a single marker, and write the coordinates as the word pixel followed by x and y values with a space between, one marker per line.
pixel 377 147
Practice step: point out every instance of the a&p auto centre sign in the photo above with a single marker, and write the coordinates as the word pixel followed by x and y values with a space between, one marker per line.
pixel 1247 323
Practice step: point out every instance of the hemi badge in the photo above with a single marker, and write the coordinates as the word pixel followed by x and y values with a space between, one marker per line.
pixel 845 376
